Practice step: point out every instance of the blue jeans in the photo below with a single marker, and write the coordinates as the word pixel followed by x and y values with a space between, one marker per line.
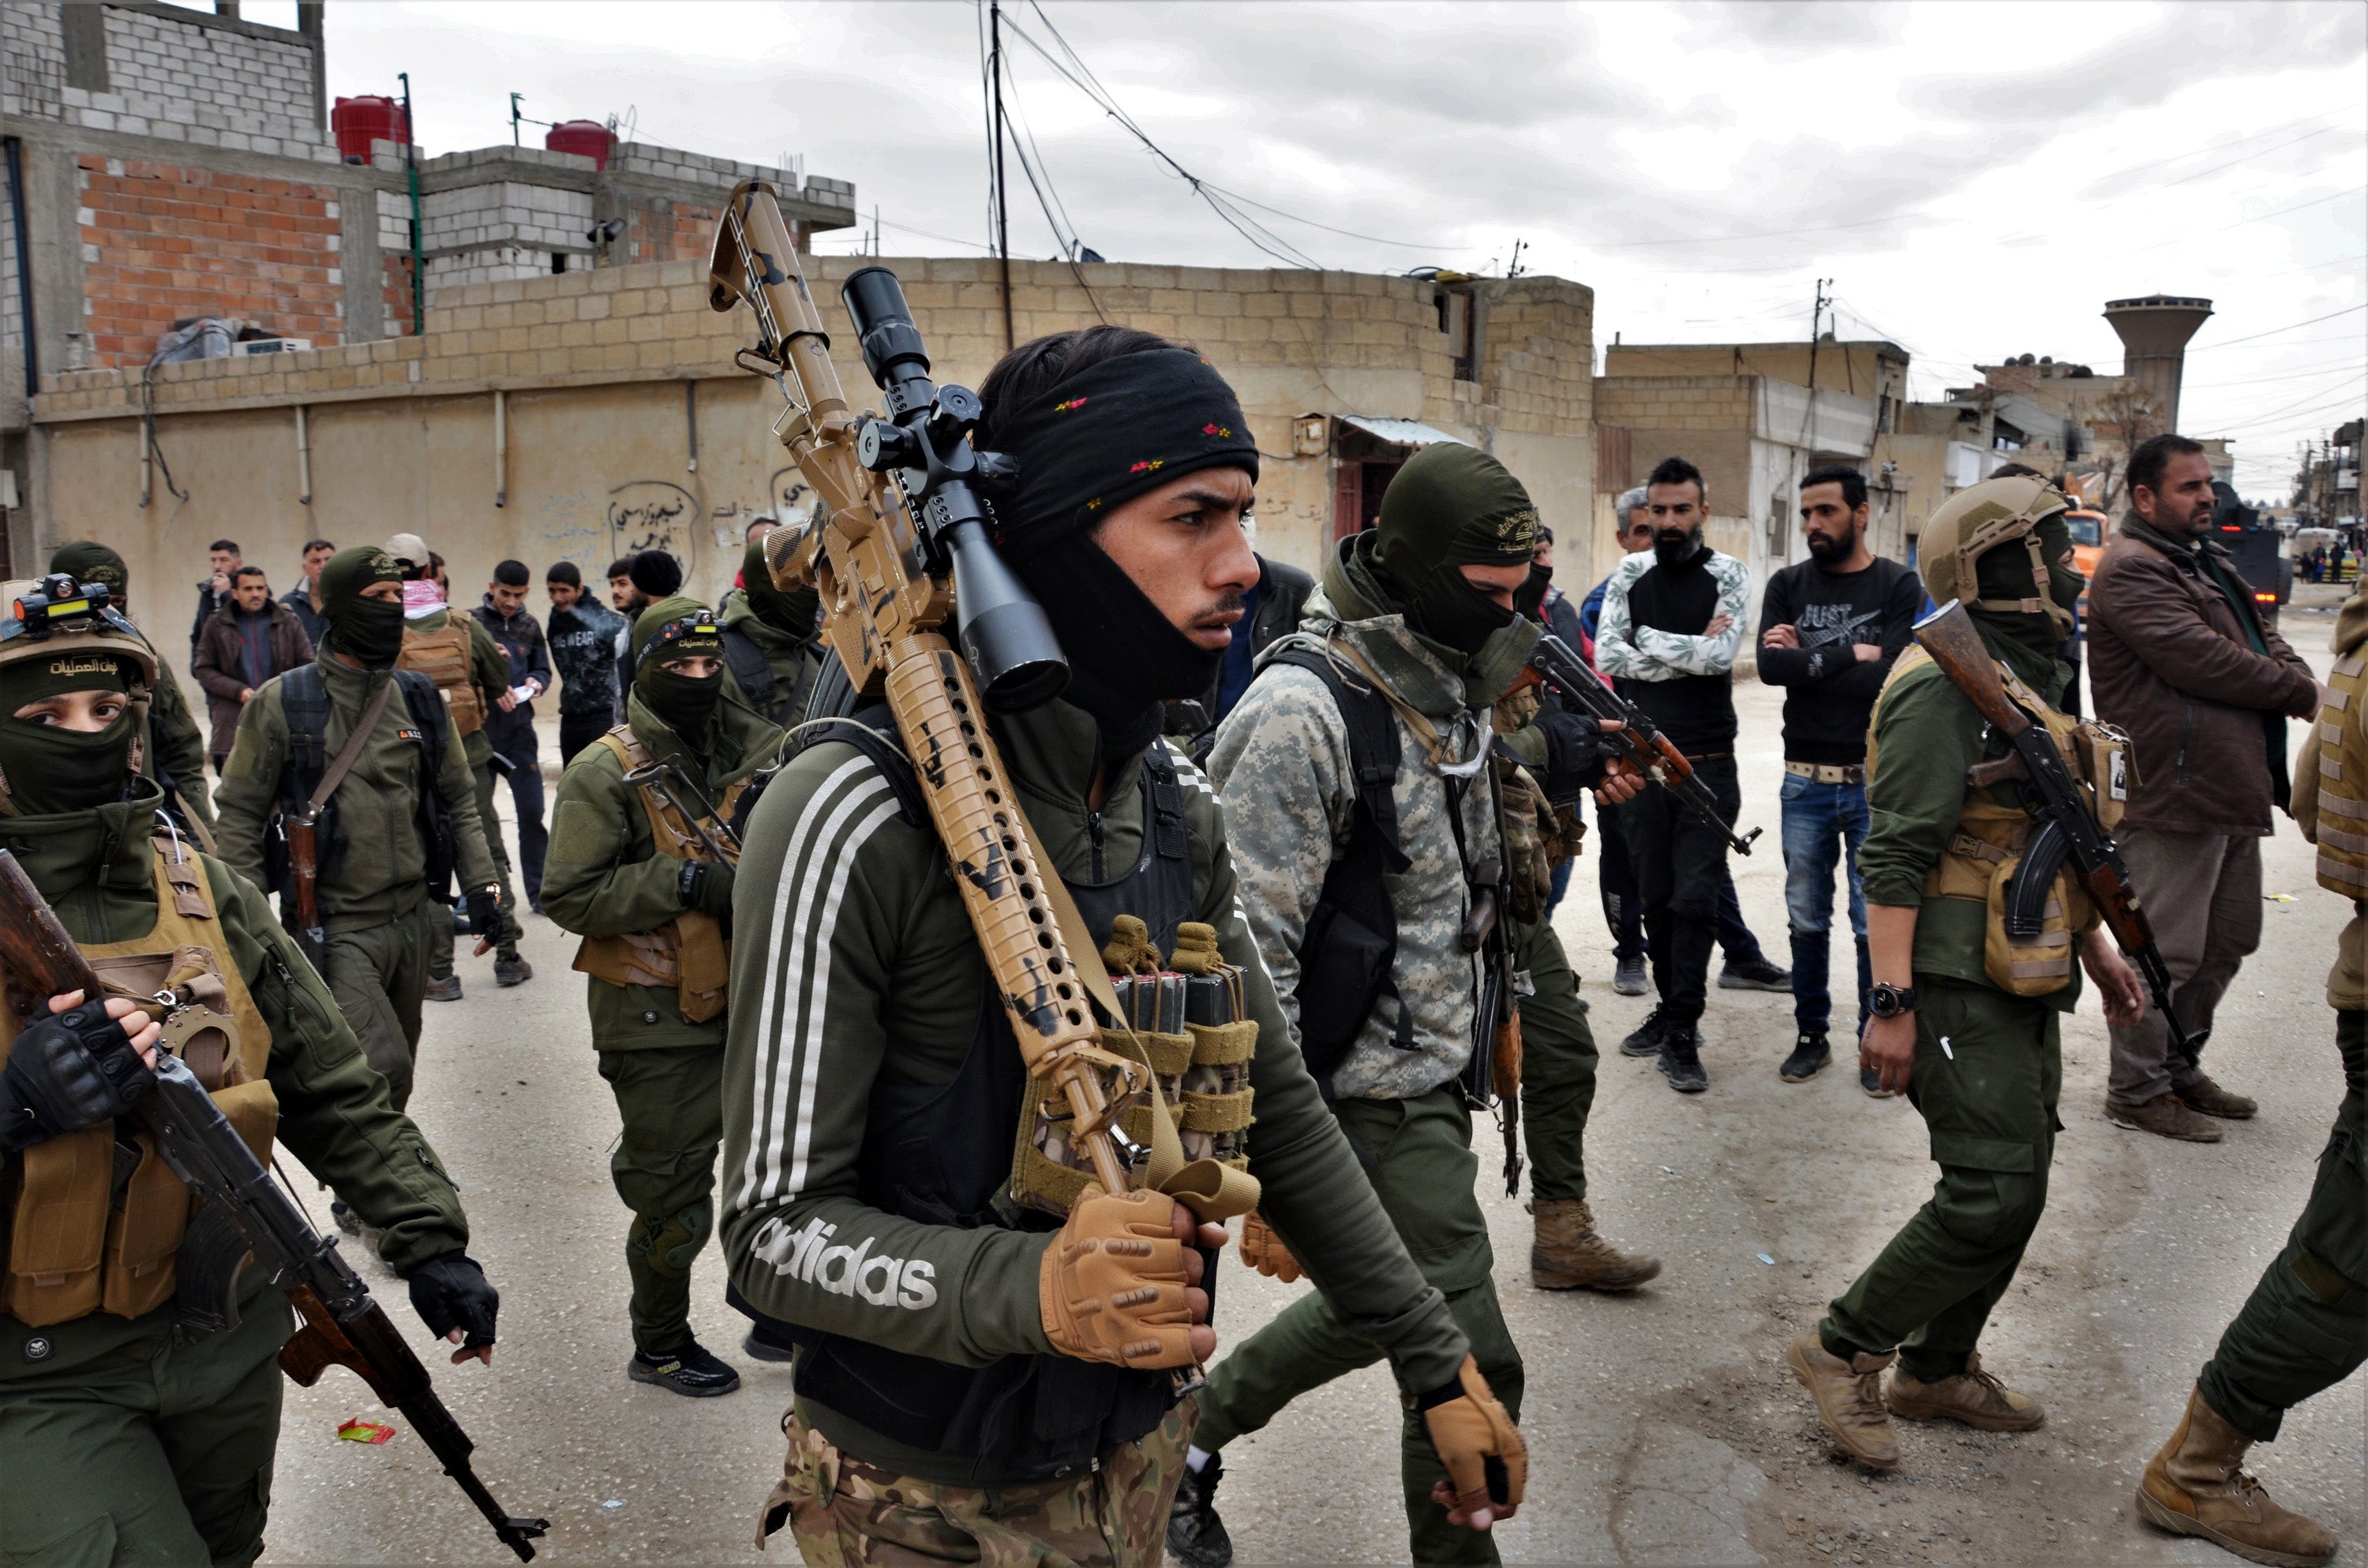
pixel 1823 824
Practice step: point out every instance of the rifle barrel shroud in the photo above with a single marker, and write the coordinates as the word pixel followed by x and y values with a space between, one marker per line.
pixel 243 1210
pixel 887 586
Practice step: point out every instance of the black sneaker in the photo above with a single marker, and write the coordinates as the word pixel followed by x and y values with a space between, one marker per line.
pixel 1647 1041
pixel 1681 1061
pixel 1754 974
pixel 1630 979
pixel 1810 1053
pixel 766 1344
pixel 1872 1082
pixel 1196 1537
pixel 687 1371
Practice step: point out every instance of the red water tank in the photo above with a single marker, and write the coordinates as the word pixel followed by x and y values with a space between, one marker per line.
pixel 584 138
pixel 360 121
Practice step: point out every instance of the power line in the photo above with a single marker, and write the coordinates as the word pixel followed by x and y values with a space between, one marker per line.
pixel 2290 326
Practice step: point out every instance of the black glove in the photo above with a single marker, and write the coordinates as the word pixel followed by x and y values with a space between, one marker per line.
pixel 706 886
pixel 1575 753
pixel 484 913
pixel 68 1071
pixel 451 1291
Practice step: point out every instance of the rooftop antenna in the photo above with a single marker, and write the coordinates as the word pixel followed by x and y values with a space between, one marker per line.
pixel 1515 269
pixel 514 119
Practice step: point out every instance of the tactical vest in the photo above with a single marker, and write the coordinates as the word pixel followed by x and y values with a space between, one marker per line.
pixel 97 1217
pixel 448 658
pixel 941 1154
pixel 688 952
pixel 1984 853
pixel 2343 780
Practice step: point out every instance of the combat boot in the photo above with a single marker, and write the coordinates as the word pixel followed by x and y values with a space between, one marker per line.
pixel 1196 1537
pixel 1646 1039
pixel 2209 1097
pixel 2194 1485
pixel 1848 1397
pixel 1568 1255
pixel 1973 1397
pixel 511 969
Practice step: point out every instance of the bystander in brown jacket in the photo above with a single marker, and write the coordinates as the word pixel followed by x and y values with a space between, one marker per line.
pixel 2179 657
pixel 252 638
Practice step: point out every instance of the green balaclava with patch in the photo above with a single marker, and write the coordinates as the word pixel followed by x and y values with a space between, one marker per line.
pixel 669 629
pixel 791 613
pixel 1452 506
pixel 86 560
pixel 369 630
pixel 50 767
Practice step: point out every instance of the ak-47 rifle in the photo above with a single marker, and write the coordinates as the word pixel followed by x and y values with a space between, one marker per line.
pixel 242 1211
pixel 1494 1070
pixel 1640 740
pixel 902 525
pixel 301 826
pixel 2063 826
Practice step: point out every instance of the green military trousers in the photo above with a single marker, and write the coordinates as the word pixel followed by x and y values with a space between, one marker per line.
pixel 2305 1329
pixel 1557 1065
pixel 1422 1166
pixel 153 1454
pixel 1987 1075
pixel 378 973
pixel 441 947
pixel 672 1101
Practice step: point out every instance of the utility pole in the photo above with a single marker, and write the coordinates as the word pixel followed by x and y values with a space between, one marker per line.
pixel 1816 318
pixel 514 119
pixel 1002 212
pixel 418 245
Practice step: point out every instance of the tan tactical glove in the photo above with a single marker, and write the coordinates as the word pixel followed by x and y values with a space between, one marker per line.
pixel 1264 1251
pixel 1487 1463
pixel 1112 1285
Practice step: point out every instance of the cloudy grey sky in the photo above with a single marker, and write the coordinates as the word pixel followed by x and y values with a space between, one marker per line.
pixel 1976 179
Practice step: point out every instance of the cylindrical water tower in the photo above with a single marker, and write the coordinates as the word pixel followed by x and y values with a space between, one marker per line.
pixel 2154 333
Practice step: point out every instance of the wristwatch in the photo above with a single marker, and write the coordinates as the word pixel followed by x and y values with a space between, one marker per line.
pixel 1885 1000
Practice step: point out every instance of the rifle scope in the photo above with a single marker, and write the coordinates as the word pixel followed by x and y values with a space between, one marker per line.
pixel 1005 635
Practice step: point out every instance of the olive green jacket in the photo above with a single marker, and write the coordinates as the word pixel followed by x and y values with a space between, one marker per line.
pixel 1927 733
pixel 856 962
pixel 96 869
pixel 174 746
pixel 793 660
pixel 380 870
pixel 603 875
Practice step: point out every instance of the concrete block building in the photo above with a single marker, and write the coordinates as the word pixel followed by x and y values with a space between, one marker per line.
pixel 164 164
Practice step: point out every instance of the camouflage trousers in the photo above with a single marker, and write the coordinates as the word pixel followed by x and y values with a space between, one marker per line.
pixel 845 1513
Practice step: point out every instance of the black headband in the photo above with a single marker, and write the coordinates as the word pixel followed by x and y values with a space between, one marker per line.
pixel 1109 433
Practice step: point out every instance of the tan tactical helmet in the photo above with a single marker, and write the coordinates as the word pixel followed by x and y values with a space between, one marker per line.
pixel 1978 519
pixel 56 619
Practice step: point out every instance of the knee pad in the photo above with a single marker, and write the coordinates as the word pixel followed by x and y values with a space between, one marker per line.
pixel 668 1243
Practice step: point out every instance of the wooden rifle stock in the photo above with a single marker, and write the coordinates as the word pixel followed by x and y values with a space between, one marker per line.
pixel 304 872
pixel 1951 640
pixel 198 1142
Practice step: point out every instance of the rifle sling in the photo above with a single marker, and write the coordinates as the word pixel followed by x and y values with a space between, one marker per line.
pixel 351 752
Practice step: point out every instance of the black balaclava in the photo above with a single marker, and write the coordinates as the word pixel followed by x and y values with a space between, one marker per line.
pixel 87 561
pixel 791 613
pixel 2027 640
pixel 368 630
pixel 1114 431
pixel 683 703
pixel 1449 507
pixel 53 770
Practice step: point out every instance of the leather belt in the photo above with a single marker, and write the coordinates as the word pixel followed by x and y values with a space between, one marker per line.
pixel 1827 772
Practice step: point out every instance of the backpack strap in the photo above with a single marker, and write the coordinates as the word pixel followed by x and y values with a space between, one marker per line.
pixel 1373 754
pixel 750 669
pixel 305 702
pixel 884 752
pixel 1172 836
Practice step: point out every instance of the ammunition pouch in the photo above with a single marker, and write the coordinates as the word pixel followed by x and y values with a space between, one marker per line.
pixel 98 1223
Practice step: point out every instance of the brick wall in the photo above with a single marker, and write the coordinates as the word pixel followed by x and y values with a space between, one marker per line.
pixel 162 242
pixel 658 230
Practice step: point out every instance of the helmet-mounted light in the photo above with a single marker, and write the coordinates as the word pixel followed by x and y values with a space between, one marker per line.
pixel 58 603
pixel 682 630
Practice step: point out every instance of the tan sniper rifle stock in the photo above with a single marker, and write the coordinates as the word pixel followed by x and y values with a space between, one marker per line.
pixel 887 586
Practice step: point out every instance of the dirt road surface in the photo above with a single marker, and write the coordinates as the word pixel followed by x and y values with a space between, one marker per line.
pixel 1663 1427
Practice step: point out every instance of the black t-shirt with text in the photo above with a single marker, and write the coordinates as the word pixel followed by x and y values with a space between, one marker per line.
pixel 1830 692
